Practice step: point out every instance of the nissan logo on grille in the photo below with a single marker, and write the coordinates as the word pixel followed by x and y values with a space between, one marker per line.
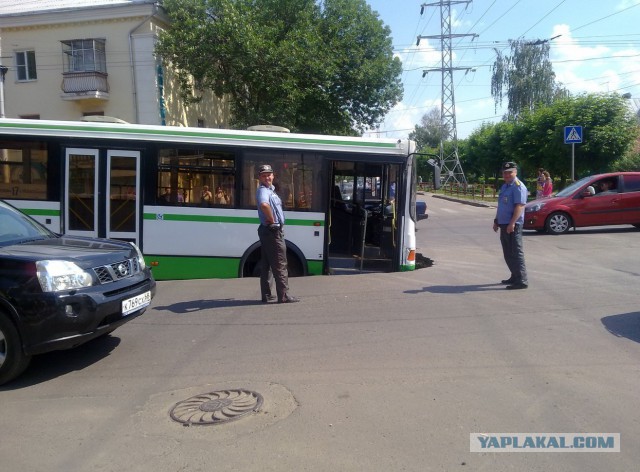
pixel 117 271
pixel 122 270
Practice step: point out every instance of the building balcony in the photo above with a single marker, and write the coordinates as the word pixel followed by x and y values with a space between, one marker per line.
pixel 85 85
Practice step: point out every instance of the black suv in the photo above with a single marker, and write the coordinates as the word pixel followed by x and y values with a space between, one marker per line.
pixel 57 292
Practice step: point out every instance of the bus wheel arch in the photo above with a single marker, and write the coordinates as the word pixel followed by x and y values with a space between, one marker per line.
pixel 250 261
pixel 296 262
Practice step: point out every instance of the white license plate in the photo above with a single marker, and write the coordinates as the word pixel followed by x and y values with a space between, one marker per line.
pixel 132 304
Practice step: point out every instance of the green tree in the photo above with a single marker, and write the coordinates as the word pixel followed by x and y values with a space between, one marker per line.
pixel 311 66
pixel 629 162
pixel 526 77
pixel 537 138
pixel 487 148
pixel 428 133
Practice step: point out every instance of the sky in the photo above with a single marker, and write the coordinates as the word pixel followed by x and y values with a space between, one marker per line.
pixel 596 49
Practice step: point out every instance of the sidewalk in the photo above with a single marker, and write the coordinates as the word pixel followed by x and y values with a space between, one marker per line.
pixel 465 201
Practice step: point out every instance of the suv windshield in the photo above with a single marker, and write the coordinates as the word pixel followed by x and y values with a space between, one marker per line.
pixel 15 227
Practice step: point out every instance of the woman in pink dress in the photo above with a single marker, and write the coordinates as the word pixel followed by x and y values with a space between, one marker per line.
pixel 547 186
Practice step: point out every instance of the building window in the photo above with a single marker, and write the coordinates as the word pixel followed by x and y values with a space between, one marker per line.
pixel 26 65
pixel 84 55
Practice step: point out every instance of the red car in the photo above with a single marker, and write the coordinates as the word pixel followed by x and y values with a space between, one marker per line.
pixel 604 199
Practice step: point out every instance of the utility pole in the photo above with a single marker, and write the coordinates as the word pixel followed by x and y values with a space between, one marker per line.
pixel 3 72
pixel 450 168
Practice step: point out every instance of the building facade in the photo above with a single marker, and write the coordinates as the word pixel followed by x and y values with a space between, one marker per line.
pixel 69 59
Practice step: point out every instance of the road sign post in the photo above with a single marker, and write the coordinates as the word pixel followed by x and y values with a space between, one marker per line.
pixel 573 135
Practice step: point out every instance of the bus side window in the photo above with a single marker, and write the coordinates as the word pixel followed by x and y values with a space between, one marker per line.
pixel 187 171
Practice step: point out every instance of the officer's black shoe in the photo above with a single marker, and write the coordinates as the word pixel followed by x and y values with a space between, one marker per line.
pixel 268 298
pixel 290 300
pixel 508 281
pixel 518 286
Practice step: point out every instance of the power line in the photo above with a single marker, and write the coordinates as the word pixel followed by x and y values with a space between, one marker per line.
pixel 540 20
pixel 416 90
pixel 449 163
pixel 499 18
pixel 605 17
pixel 619 42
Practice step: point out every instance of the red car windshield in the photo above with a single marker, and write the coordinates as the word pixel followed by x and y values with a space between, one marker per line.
pixel 573 187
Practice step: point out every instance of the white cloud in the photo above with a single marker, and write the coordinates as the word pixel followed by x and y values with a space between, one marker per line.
pixel 626 4
pixel 591 69
pixel 425 53
pixel 401 120
pixel 567 48
pixel 457 19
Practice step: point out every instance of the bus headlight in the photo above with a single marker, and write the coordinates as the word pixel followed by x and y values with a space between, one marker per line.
pixel 55 276
pixel 141 262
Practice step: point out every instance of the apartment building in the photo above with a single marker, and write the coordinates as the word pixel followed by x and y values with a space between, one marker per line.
pixel 68 59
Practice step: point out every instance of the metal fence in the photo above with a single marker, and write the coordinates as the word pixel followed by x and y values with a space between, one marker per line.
pixel 469 191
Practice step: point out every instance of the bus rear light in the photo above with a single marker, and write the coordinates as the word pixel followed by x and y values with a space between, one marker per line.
pixel 317 223
pixel 154 264
pixel 412 255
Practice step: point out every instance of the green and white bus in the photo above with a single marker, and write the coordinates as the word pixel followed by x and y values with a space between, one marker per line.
pixel 186 196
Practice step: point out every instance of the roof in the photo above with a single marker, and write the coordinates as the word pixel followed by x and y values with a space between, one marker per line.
pixel 392 149
pixel 26 7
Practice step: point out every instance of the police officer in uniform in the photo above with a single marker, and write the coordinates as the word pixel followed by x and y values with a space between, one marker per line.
pixel 271 234
pixel 509 220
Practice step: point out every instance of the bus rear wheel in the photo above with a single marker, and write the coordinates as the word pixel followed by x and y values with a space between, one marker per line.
pixel 294 264
pixel 251 266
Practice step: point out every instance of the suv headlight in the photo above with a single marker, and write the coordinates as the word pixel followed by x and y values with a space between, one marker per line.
pixel 533 208
pixel 55 276
pixel 141 262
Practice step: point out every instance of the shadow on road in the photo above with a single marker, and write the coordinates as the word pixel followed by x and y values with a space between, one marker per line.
pixel 48 366
pixel 457 289
pixel 192 306
pixel 626 325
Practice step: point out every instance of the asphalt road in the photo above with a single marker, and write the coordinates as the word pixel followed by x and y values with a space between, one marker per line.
pixel 372 372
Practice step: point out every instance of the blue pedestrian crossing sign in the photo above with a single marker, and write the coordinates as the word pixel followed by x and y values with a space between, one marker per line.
pixel 572 134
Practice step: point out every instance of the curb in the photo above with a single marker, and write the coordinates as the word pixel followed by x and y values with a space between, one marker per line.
pixel 465 202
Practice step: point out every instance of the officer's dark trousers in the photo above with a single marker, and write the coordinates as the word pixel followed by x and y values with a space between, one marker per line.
pixel 513 253
pixel 274 260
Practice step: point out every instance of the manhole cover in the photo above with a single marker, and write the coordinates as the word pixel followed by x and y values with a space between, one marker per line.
pixel 216 407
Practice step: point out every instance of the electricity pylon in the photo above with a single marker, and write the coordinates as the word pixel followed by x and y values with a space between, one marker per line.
pixel 450 168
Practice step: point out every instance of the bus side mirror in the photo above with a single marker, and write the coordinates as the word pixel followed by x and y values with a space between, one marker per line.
pixel 436 177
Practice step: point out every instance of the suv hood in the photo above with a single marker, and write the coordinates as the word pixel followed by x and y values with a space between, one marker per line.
pixel 71 248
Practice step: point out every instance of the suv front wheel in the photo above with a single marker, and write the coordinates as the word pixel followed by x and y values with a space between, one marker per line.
pixel 12 360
